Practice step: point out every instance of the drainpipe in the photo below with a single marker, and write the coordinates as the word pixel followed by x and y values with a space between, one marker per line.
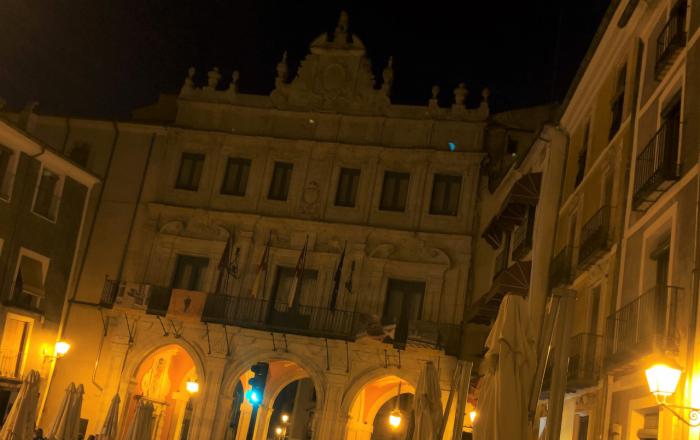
pixel 68 306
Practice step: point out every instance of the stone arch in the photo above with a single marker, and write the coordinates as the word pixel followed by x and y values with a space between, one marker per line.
pixel 233 373
pixel 136 356
pixel 358 383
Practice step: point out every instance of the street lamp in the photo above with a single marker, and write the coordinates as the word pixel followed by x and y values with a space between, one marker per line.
pixel 472 416
pixel 192 386
pixel 61 348
pixel 662 378
pixel 285 418
pixel 395 419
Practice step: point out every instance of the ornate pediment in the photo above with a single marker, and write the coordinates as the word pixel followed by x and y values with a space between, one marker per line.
pixel 201 228
pixel 335 75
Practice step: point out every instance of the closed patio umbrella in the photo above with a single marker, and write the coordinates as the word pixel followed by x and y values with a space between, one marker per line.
pixel 109 428
pixel 19 424
pixel 60 427
pixel 510 365
pixel 142 424
pixel 427 406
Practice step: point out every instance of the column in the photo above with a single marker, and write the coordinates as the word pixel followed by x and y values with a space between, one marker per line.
pixel 359 430
pixel 262 421
pixel 330 422
pixel 207 400
pixel 244 421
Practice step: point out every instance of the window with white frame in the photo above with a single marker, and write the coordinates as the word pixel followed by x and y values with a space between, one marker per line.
pixel 15 337
pixel 47 196
pixel 28 291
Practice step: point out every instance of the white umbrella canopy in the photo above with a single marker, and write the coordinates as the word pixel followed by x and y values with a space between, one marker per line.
pixel 74 413
pixel 427 405
pixel 63 425
pixel 19 424
pixel 509 365
pixel 142 423
pixel 109 428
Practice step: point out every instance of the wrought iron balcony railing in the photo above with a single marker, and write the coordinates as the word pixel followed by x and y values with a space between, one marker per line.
pixel 434 335
pixel 9 364
pixel 657 166
pixel 671 39
pixel 110 290
pixel 595 237
pixel 560 271
pixel 522 238
pixel 584 365
pixel 501 262
pixel 265 315
pixel 646 325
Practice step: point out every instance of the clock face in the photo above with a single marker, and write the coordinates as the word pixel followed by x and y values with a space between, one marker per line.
pixel 333 77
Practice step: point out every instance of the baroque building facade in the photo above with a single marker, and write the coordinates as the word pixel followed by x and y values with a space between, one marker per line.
pixel 321 231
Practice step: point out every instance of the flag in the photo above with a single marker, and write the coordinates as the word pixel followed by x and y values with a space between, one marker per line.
pixel 336 278
pixel 259 282
pixel 298 274
pixel 224 264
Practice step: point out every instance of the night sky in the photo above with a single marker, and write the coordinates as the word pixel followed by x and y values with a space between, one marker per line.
pixel 102 58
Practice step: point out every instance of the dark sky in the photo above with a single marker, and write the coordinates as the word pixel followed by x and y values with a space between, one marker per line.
pixel 102 58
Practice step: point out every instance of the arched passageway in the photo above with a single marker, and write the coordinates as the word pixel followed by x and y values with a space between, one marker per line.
pixel 162 378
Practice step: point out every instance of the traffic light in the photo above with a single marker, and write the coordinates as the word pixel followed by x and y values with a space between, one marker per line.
pixel 257 383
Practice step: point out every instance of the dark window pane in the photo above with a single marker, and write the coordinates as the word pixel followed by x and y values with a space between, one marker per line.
pixel 445 197
pixel 191 165
pixel 347 187
pixel 404 300
pixel 46 198
pixel 236 177
pixel 283 284
pixel 582 155
pixel 189 272
pixel 281 177
pixel 394 191
pixel 80 154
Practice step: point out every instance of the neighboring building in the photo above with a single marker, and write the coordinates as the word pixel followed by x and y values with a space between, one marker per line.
pixel 627 229
pixel 324 163
pixel 44 200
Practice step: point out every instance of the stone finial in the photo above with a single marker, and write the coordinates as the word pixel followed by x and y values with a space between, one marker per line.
pixel 460 94
pixel 27 117
pixel 433 102
pixel 213 78
pixel 388 76
pixel 341 30
pixel 435 90
pixel 189 81
pixel 235 76
pixel 485 93
pixel 282 71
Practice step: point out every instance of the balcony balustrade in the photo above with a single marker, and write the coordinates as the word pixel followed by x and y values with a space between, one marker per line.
pixel 657 166
pixel 671 39
pixel 560 272
pixel 646 326
pixel 595 237
pixel 9 364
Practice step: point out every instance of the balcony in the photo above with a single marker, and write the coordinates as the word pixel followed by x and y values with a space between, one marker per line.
pixel 595 238
pixel 434 335
pixel 110 290
pixel 522 237
pixel 501 262
pixel 584 367
pixel 560 272
pixel 671 39
pixel 261 314
pixel 9 365
pixel 657 166
pixel 646 326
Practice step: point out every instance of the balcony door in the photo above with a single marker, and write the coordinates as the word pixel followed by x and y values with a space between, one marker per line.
pixel 14 340
pixel 189 272
pixel 308 293
pixel 403 304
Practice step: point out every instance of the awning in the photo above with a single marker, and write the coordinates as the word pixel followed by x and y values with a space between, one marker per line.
pixel 515 279
pixel 525 192
pixel 31 276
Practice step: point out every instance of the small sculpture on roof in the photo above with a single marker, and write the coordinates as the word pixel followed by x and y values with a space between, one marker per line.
pixel 282 71
pixel 341 30
pixel 433 102
pixel 189 81
pixel 460 94
pixel 214 76
pixel 233 87
pixel 388 76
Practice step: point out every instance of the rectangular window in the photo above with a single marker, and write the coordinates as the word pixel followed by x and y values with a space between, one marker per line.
pixel 582 156
pixel 14 340
pixel 191 165
pixel 5 178
pixel 671 116
pixel 46 199
pixel 404 300
pixel 394 191
pixel 236 177
pixel 445 198
pixel 189 272
pixel 283 285
pixel 281 178
pixel 347 187
pixel 618 102
pixel 29 283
